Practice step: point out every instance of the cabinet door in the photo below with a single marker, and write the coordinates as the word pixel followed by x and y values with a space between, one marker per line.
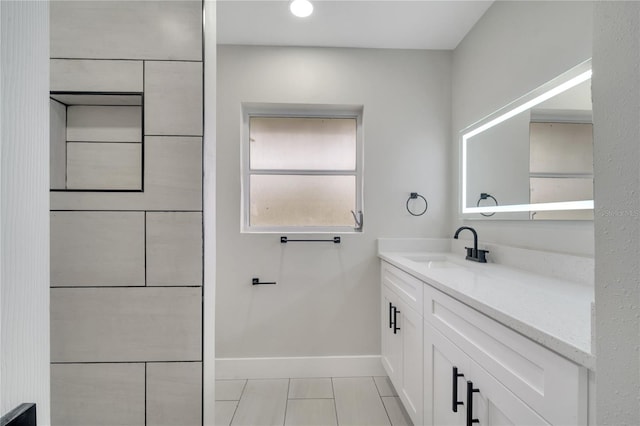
pixel 391 342
pixel 440 386
pixel 411 391
pixel 490 402
pixel 495 405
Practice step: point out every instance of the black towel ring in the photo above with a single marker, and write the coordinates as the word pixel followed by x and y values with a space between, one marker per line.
pixel 484 196
pixel 413 196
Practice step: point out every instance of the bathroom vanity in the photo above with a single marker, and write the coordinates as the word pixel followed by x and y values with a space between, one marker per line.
pixel 465 342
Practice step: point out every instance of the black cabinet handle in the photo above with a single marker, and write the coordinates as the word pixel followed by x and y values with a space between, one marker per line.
pixel 390 315
pixel 454 396
pixel 395 320
pixel 470 391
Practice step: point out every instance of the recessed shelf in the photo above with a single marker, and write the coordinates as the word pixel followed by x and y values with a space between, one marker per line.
pixel 97 141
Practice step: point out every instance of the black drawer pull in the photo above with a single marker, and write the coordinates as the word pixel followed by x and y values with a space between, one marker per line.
pixel 395 320
pixel 470 391
pixel 454 396
pixel 390 315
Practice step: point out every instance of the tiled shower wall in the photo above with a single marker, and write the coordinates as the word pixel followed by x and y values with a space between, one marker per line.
pixel 126 267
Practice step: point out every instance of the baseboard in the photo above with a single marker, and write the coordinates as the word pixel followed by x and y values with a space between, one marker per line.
pixel 298 367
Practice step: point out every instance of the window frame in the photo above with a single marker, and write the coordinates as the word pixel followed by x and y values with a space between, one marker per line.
pixel 298 111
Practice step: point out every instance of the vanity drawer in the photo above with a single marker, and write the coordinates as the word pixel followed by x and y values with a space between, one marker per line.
pixel 553 386
pixel 407 287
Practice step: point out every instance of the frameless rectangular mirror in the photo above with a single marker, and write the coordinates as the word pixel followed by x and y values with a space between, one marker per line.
pixel 533 159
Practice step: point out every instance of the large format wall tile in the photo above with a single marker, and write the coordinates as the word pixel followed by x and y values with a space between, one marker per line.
pixel 97 249
pixel 169 30
pixel 174 248
pixel 58 145
pixel 113 166
pixel 173 98
pixel 172 181
pixel 174 394
pixel 73 75
pixel 173 173
pixel 126 324
pixel 97 394
pixel 86 123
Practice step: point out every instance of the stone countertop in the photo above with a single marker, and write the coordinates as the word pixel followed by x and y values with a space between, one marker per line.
pixel 553 312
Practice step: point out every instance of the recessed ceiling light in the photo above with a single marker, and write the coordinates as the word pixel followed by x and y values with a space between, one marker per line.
pixel 301 8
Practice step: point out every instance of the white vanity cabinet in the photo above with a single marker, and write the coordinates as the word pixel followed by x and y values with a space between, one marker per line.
pixel 514 380
pixel 511 378
pixel 401 338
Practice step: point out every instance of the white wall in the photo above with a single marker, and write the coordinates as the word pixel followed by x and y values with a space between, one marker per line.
pixel 327 300
pixel 514 48
pixel 616 96
pixel 24 345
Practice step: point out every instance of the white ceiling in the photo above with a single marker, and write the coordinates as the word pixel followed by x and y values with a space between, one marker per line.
pixel 397 24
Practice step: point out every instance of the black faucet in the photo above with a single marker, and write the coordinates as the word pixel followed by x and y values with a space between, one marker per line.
pixel 473 253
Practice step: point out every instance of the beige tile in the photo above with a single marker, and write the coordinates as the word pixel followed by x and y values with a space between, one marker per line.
pixel 93 123
pixel 385 388
pixel 396 412
pixel 173 98
pixel 174 394
pixel 97 248
pixel 229 390
pixel 310 412
pixel 310 388
pixel 126 324
pixel 173 172
pixel 97 394
pixel 263 403
pixel 126 30
pixel 224 412
pixel 174 248
pixel 95 75
pixel 358 402
pixel 110 166
pixel 58 145
pixel 173 181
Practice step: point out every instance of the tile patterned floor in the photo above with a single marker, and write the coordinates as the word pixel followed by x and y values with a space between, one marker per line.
pixel 338 401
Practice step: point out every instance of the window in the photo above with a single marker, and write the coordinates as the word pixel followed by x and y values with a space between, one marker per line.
pixel 302 169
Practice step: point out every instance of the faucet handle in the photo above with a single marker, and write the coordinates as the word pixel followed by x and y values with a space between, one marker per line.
pixel 482 256
pixel 476 255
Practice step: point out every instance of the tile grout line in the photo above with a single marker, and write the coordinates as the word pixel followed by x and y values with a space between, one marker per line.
pixel 382 401
pixel 125 59
pixel 335 405
pixel 145 393
pixel 385 409
pixel 244 387
pixel 286 402
pixel 235 410
pixel 298 399
pixel 123 362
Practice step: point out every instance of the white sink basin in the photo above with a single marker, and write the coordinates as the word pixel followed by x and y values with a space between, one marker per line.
pixel 431 261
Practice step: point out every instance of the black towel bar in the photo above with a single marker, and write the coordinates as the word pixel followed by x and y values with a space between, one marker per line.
pixel 256 281
pixel 335 240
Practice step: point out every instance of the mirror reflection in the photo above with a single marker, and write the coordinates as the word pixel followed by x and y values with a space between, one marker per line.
pixel 533 159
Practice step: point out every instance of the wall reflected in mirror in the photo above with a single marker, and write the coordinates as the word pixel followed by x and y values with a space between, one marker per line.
pixel 533 159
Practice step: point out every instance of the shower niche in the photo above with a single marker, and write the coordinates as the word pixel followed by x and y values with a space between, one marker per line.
pixel 97 141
